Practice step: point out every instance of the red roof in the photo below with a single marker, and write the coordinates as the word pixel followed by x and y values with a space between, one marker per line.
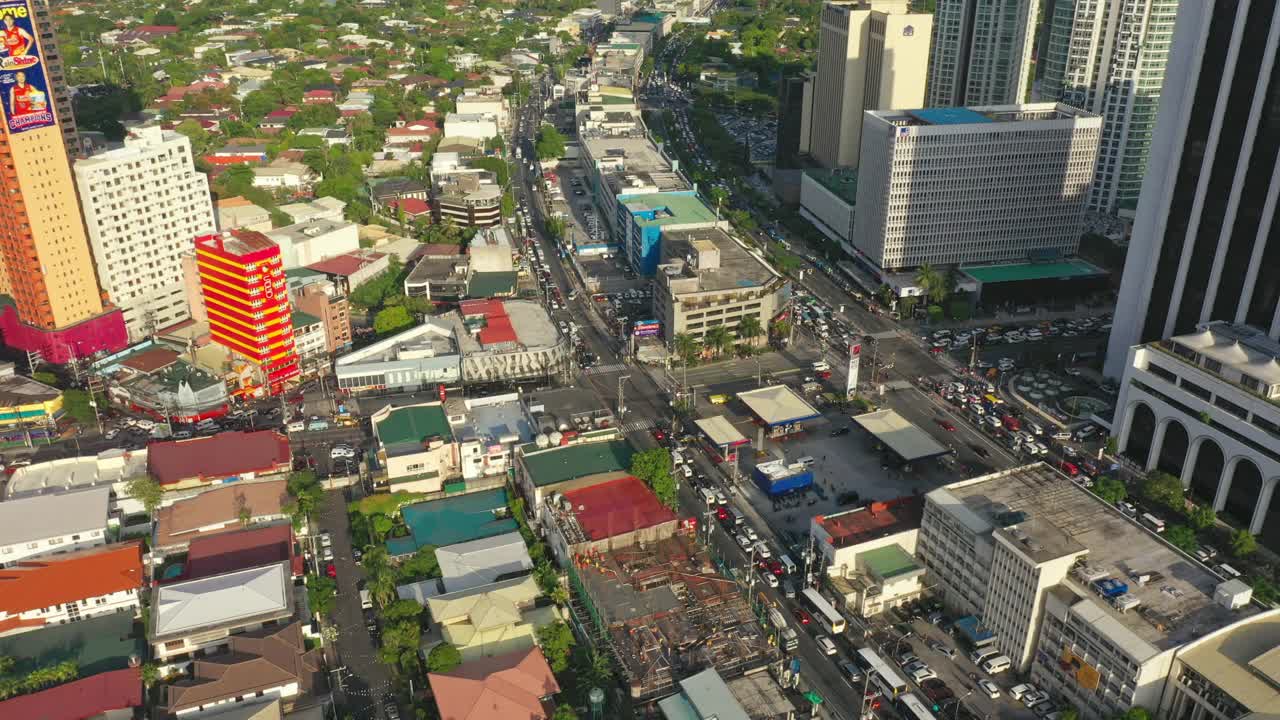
pixel 346 264
pixel 411 206
pixel 617 507
pixel 79 699
pixel 487 308
pixel 505 687
pixel 218 554
pixel 227 454
pixel 151 359
pixel 497 326
pixel 318 94
pixel 873 521
pixel 67 578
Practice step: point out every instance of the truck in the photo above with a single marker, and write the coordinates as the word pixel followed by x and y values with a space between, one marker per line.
pixel 788 638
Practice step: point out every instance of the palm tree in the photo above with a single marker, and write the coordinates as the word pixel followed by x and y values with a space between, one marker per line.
pixel 719 339
pixel 686 347
pixel 932 283
pixel 749 329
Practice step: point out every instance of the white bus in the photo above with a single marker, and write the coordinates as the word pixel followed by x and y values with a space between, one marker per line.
pixel 913 709
pixel 890 685
pixel 830 620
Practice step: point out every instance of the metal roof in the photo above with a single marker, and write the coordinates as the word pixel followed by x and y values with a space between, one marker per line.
pixel 560 464
pixel 905 439
pixel 720 431
pixel 777 405
pixel 222 600
pixel 45 516
pixel 479 562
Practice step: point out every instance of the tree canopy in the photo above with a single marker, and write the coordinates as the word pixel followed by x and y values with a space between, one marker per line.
pixel 549 144
pixel 654 467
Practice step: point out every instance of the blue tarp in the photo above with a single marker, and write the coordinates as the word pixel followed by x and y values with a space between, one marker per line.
pixel 974 631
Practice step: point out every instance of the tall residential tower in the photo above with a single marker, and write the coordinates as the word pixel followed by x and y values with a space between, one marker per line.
pixel 52 304
pixel 1206 241
pixel 871 56
pixel 1108 58
pixel 981 52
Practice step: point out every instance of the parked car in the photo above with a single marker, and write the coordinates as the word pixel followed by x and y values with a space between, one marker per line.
pixel 991 689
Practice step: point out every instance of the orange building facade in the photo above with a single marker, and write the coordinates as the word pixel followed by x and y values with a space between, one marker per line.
pixel 245 294
pixel 50 301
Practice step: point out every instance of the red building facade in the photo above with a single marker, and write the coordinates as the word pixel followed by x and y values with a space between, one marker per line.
pixel 243 284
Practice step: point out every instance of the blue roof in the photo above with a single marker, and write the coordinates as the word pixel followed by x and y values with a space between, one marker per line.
pixel 976 633
pixel 949 116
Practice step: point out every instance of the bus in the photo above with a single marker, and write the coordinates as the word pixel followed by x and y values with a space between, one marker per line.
pixel 830 620
pixel 913 709
pixel 888 682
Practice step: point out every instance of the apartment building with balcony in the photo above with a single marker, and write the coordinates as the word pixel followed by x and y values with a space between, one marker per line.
pixel 144 204
pixel 707 278
pixel 464 195
pixel 243 283
pixel 1205 407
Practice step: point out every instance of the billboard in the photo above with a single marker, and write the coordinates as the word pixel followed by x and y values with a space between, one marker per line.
pixel 645 328
pixel 855 360
pixel 24 85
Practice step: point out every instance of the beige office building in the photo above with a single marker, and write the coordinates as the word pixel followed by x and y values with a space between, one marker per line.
pixel 871 56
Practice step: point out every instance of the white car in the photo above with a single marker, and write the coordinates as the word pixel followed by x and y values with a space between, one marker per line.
pixel 342 451
pixel 991 689
pixel 1018 692
pixel 751 533
pixel 769 578
pixel 921 674
pixel 744 542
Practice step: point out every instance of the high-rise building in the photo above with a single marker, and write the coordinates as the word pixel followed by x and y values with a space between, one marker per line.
pixel 1109 58
pixel 871 56
pixel 245 294
pixel 981 52
pixel 956 185
pixel 1206 240
pixel 57 81
pixel 144 205
pixel 53 305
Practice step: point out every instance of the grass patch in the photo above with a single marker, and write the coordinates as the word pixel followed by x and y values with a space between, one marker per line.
pixel 386 503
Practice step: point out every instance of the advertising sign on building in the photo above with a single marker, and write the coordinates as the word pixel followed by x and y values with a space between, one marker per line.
pixel 24 85
pixel 851 383
pixel 645 328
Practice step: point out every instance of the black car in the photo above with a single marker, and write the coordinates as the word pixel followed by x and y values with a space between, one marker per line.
pixel 840 431
pixel 979 450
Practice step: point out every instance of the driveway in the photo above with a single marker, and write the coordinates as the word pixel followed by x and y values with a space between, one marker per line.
pixel 364 681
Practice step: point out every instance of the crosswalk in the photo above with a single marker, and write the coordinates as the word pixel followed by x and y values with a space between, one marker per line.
pixel 604 369
pixel 637 425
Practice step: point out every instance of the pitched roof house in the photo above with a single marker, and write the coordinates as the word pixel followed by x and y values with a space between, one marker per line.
pixel 515 686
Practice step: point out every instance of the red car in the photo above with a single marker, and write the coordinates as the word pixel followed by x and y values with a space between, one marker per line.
pixel 802 617
pixel 331 570
pixel 775 567
pixel 946 425
pixel 659 435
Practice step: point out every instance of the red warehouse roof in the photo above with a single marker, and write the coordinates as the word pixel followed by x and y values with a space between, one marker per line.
pixel 617 507
pixel 79 699
pixel 225 455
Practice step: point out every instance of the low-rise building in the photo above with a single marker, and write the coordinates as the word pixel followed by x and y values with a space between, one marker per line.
pixel 454 519
pixel 483 102
pixel 311 241
pixel 217 511
pixel 468 196
pixel 211 554
pixel 102 695
pixel 397 188
pixel 324 208
pixel 42 525
pixel 644 219
pixel 507 341
pixel 869 554
pixel 709 279
pixel 439 278
pixel 604 517
pixel 353 268
pixel 270 662
pixel 232 456
pixel 112 468
pixel 516 685
pixel 488 431
pixel 25 402
pixel 416 446
pixel 480 562
pixel 546 468
pixel 194 618
pixel 237 213
pixel 155 380
pixel 1227 674
pixel 420 358
pixel 325 300
pixel 309 337
pixel 493 619
pixel 471 125
pixel 36 593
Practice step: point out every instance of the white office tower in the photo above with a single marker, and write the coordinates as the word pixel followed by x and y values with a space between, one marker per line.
pixel 1206 240
pixel 871 56
pixel 966 185
pixel 981 52
pixel 144 205
pixel 1108 57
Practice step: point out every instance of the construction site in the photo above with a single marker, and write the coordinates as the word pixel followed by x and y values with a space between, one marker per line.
pixel 664 613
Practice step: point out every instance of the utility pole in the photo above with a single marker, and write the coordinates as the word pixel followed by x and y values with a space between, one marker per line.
pixel 622 406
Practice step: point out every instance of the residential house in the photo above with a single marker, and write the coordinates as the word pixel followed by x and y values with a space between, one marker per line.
pixel 271 662
pixel 309 339
pixel 325 208
pixel 232 456
pixel 52 524
pixel 66 588
pixel 488 433
pixel 111 694
pixel 493 619
pixel 416 446
pixel 480 562
pixel 238 154
pixel 277 120
pixel 397 189
pixel 354 268
pixel 287 174
pixel 586 460
pixel 190 619
pixel 239 213
pixel 319 97
pixel 454 519
pixel 331 135
pixel 219 510
pixel 216 554
pixel 516 685
pixel 112 468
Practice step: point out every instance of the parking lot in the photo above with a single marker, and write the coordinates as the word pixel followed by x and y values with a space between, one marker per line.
pixel 759 133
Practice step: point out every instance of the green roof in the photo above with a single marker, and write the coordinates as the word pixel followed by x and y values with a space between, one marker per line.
pixel 889 561
pixel 97 644
pixel 680 209
pixel 491 284
pixel 1063 270
pixel 452 520
pixel 842 184
pixel 302 319
pixel 617 100
pixel 556 465
pixel 405 428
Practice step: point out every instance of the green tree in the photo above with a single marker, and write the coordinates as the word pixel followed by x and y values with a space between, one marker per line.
pixel 1182 537
pixel 47 378
pixel 150 674
pixel 443 658
pixel 146 490
pixel 654 467
pixel 1135 713
pixel 549 144
pixel 1164 489
pixel 392 319
pixel 556 641
pixel 402 611
pixel 420 566
pixel 749 329
pixel 1243 543
pixel 932 283
pixel 1110 489
pixel 718 339
pixel 236 179
pixel 1201 517
pixel 6 664
pixel 1112 446
pixel 687 347
pixel 564 712
pixel 322 593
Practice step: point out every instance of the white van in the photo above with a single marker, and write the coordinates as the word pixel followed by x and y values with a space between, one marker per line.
pixel 788 564
pixel 709 496
pixel 366 602
pixel 996 665
pixel 825 645
pixel 297 426
pixel 980 655
pixel 1227 571
pixel 807 461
